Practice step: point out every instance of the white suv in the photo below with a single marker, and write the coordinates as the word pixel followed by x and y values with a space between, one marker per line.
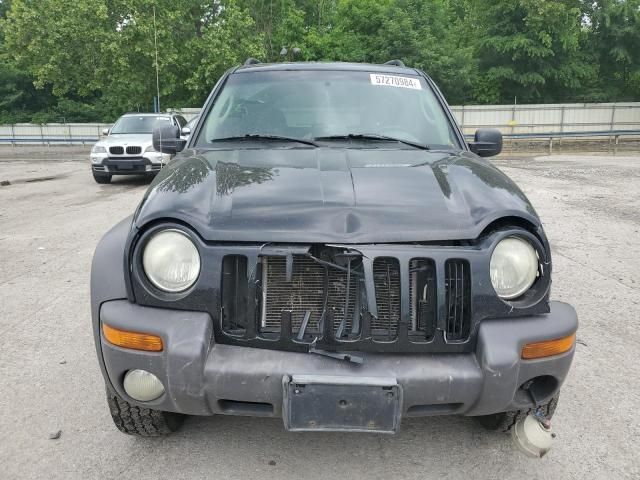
pixel 128 149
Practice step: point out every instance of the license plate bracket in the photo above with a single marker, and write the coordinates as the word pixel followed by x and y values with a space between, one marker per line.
pixel 341 403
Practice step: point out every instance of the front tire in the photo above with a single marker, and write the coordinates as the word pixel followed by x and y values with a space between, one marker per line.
pixel 143 422
pixel 505 421
pixel 102 178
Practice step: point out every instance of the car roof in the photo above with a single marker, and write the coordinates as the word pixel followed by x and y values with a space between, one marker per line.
pixel 148 114
pixel 328 66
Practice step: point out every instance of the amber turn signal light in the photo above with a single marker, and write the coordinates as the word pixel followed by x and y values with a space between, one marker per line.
pixel 548 347
pixel 133 340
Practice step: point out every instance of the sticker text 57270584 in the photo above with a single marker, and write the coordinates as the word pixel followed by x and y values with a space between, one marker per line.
pixel 395 81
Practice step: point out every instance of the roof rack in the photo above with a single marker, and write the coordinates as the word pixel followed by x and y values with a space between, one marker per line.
pixel 396 63
pixel 251 61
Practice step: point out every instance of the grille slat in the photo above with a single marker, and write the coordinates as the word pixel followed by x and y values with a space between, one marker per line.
pixel 134 150
pixel 457 285
pixel 116 150
pixel 235 296
pixel 422 296
pixel 386 277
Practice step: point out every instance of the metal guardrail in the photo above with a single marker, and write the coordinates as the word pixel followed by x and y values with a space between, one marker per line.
pixel 49 140
pixel 38 140
pixel 599 133
pixel 551 136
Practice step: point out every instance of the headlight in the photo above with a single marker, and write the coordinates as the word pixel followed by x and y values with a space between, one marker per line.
pixel 171 261
pixel 98 149
pixel 513 268
pixel 149 149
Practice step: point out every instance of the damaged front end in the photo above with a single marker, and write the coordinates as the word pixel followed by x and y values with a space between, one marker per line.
pixel 336 300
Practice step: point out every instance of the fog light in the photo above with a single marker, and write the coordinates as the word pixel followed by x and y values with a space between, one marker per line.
pixel 142 385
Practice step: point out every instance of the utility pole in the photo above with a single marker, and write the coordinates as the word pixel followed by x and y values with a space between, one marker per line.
pixel 155 41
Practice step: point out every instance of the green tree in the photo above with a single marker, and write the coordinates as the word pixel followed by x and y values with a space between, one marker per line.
pixel 228 38
pixel 426 35
pixel 528 49
pixel 614 38
pixel 109 61
pixel 94 59
pixel 19 99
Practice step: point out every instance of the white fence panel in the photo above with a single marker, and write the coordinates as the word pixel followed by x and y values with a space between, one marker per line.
pixel 510 119
pixel 547 118
pixel 70 133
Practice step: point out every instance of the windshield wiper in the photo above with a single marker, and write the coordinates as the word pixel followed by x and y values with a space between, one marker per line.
pixel 257 136
pixel 373 136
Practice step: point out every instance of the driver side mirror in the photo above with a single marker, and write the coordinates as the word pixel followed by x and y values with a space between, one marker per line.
pixel 487 142
pixel 167 140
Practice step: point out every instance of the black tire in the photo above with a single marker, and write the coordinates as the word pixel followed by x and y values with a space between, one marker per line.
pixel 506 420
pixel 144 422
pixel 102 178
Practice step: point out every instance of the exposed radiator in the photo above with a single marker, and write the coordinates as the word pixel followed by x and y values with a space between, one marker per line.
pixel 330 286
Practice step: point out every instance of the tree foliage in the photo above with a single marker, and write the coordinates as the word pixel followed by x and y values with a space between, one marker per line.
pixel 86 60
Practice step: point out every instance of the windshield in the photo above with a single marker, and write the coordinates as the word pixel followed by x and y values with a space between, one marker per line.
pixel 139 124
pixel 192 123
pixel 321 104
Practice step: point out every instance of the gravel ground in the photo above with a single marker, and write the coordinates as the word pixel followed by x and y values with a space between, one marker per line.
pixel 51 217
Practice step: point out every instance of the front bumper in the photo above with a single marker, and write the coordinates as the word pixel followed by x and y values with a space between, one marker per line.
pixel 149 162
pixel 205 378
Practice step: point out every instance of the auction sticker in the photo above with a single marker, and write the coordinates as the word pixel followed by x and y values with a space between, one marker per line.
pixel 395 81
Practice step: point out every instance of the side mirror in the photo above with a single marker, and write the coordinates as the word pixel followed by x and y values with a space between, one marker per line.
pixel 105 131
pixel 186 131
pixel 487 142
pixel 167 140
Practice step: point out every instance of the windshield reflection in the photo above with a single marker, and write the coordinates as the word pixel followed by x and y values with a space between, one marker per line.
pixel 321 104
pixel 132 125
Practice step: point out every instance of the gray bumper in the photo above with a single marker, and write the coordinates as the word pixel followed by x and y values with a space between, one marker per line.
pixel 204 378
pixel 126 166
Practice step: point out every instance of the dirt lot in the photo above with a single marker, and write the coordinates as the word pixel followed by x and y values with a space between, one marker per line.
pixel 51 217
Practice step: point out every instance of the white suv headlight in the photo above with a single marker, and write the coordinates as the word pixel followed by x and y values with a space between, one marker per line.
pixel 149 149
pixel 171 260
pixel 513 267
pixel 98 149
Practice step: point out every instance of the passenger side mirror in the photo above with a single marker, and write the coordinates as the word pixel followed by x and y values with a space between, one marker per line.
pixel 105 131
pixel 487 142
pixel 167 140
pixel 186 131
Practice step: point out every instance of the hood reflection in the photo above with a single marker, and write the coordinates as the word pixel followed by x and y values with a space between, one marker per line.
pixel 228 176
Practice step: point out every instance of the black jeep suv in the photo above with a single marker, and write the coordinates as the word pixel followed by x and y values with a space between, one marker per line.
pixel 328 248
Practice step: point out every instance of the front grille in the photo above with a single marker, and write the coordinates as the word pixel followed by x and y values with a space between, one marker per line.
pixel 334 298
pixel 116 150
pixel 458 299
pixel 134 150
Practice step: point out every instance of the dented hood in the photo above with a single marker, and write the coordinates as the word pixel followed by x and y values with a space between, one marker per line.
pixel 332 195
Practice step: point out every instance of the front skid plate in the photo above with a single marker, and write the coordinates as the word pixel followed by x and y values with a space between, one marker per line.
pixel 341 403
